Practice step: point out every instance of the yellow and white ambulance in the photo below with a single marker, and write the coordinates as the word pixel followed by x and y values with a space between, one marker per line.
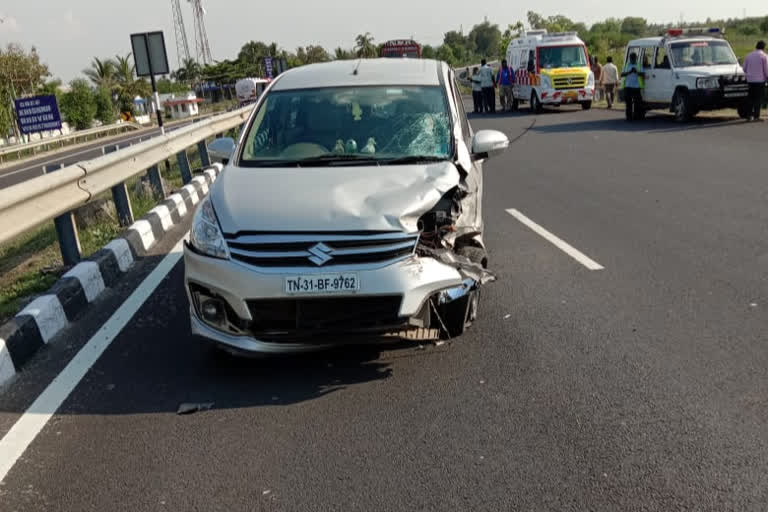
pixel 551 69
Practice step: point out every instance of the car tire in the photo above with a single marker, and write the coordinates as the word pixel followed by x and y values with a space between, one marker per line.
pixel 459 315
pixel 586 105
pixel 681 107
pixel 536 106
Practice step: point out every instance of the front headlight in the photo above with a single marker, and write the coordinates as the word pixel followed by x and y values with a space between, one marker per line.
pixel 206 236
pixel 708 83
pixel 546 83
pixel 591 79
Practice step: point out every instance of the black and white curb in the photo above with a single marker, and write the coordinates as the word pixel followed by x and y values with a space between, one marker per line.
pixel 49 314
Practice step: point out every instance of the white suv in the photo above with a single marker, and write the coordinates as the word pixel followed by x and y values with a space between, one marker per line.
pixel 689 70
pixel 350 205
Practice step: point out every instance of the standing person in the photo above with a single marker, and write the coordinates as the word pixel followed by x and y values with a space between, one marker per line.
pixel 488 82
pixel 477 90
pixel 505 78
pixel 597 70
pixel 756 69
pixel 634 81
pixel 609 79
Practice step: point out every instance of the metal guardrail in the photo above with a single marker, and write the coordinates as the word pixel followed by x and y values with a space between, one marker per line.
pixel 59 141
pixel 56 194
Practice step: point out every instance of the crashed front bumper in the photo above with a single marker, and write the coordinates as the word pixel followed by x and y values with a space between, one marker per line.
pixel 414 281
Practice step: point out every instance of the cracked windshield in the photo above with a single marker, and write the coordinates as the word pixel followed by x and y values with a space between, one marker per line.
pixel 372 122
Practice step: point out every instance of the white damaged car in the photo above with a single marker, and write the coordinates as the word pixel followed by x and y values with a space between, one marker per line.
pixel 350 206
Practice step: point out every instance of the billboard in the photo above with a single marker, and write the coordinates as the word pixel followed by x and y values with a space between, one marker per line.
pixel 268 67
pixel 149 54
pixel 38 114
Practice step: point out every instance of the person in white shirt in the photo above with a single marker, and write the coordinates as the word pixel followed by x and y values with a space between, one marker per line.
pixel 477 90
pixel 609 79
pixel 488 83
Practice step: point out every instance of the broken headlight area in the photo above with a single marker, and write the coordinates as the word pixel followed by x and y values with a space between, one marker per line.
pixel 442 239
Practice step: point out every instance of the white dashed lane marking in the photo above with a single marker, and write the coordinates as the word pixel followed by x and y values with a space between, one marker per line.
pixel 557 242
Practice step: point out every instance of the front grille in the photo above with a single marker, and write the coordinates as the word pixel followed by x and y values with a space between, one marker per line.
pixel 286 250
pixel 287 316
pixel 569 82
pixel 733 80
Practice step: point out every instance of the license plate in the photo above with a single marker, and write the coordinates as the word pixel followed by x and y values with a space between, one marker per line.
pixel 736 94
pixel 322 283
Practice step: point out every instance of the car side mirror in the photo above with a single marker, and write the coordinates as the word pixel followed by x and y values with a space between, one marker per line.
pixel 488 143
pixel 222 149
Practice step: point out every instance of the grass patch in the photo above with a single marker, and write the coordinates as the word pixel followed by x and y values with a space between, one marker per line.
pixel 29 265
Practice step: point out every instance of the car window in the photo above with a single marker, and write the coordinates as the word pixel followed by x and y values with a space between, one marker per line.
pixel 637 52
pixel 662 59
pixel 570 56
pixel 701 53
pixel 378 122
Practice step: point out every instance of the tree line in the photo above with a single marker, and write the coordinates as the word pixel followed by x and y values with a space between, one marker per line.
pixel 110 84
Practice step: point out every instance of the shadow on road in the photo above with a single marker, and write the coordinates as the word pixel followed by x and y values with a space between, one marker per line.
pixel 654 123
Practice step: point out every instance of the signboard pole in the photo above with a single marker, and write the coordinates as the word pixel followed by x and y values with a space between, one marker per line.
pixel 155 95
pixel 151 59
pixel 156 98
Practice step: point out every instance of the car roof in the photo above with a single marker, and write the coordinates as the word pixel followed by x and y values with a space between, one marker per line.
pixel 656 41
pixel 648 41
pixel 361 72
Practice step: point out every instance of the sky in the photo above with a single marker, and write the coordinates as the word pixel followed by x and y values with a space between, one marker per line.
pixel 68 34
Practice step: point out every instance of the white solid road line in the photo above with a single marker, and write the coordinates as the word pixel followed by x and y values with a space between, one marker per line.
pixel 24 431
pixel 557 242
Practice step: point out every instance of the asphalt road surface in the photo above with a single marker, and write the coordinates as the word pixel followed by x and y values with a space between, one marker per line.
pixel 33 167
pixel 619 363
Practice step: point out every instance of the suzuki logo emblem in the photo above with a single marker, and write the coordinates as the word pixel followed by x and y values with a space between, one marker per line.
pixel 321 254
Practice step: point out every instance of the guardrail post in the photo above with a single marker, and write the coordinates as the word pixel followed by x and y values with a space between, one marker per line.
pixel 203 150
pixel 156 181
pixel 120 197
pixel 66 230
pixel 184 168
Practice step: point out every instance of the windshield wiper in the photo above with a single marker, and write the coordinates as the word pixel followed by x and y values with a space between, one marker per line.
pixel 332 159
pixel 413 159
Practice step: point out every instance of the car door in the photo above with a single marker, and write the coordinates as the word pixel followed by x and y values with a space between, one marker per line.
pixel 654 75
pixel 659 81
pixel 523 83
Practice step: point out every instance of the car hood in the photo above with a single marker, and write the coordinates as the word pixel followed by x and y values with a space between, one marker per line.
pixel 348 198
pixel 705 71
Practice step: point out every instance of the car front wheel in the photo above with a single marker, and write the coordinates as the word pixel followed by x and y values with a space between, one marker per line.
pixel 681 107
pixel 536 106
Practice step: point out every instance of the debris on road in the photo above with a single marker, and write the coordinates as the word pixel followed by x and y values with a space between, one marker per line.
pixel 507 317
pixel 189 408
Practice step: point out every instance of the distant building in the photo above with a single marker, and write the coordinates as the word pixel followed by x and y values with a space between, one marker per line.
pixel 180 106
